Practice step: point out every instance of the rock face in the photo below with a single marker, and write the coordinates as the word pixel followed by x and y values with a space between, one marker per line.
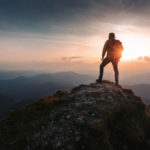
pixel 90 117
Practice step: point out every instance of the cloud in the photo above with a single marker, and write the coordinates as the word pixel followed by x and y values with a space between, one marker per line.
pixel 54 15
pixel 72 58
pixel 144 58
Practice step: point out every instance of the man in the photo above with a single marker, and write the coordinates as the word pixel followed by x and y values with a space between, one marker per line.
pixel 114 49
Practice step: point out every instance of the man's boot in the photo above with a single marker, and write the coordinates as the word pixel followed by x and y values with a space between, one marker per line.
pixel 116 83
pixel 99 80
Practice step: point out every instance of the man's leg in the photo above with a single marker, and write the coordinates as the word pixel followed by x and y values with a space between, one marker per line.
pixel 115 66
pixel 103 64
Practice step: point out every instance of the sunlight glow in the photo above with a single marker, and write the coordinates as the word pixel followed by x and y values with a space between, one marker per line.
pixel 134 46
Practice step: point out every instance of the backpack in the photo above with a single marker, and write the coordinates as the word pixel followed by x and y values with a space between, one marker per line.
pixel 116 49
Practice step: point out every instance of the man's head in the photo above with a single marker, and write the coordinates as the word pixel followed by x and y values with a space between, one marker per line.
pixel 111 35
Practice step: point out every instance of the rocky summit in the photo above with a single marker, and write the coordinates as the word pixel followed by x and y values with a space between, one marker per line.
pixel 89 117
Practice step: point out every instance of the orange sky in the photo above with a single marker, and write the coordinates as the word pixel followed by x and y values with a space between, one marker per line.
pixel 37 48
pixel 70 36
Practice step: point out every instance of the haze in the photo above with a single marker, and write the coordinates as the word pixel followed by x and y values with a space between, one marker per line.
pixel 67 35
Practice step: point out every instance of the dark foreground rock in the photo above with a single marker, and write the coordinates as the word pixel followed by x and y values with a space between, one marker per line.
pixel 90 117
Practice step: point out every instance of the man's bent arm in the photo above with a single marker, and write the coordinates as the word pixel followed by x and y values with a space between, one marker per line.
pixel 104 49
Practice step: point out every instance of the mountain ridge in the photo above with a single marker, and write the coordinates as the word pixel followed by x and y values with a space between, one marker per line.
pixel 94 116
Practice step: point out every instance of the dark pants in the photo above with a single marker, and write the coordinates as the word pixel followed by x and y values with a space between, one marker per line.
pixel 115 66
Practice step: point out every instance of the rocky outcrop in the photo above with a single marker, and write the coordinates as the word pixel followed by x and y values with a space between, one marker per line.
pixel 90 117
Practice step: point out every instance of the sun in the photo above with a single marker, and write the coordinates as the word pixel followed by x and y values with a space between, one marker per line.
pixel 134 46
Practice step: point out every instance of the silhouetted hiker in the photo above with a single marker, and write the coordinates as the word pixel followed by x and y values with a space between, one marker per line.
pixel 114 50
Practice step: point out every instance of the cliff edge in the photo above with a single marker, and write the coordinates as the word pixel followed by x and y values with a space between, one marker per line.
pixel 90 117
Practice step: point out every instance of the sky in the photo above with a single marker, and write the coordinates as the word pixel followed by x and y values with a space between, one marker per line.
pixel 61 35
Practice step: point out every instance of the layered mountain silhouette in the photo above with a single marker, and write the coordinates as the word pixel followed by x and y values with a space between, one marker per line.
pixel 90 117
pixel 22 90
pixel 141 89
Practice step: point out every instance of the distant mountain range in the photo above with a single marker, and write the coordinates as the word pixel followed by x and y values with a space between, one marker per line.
pixel 4 75
pixel 142 78
pixel 23 90
pixel 142 90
